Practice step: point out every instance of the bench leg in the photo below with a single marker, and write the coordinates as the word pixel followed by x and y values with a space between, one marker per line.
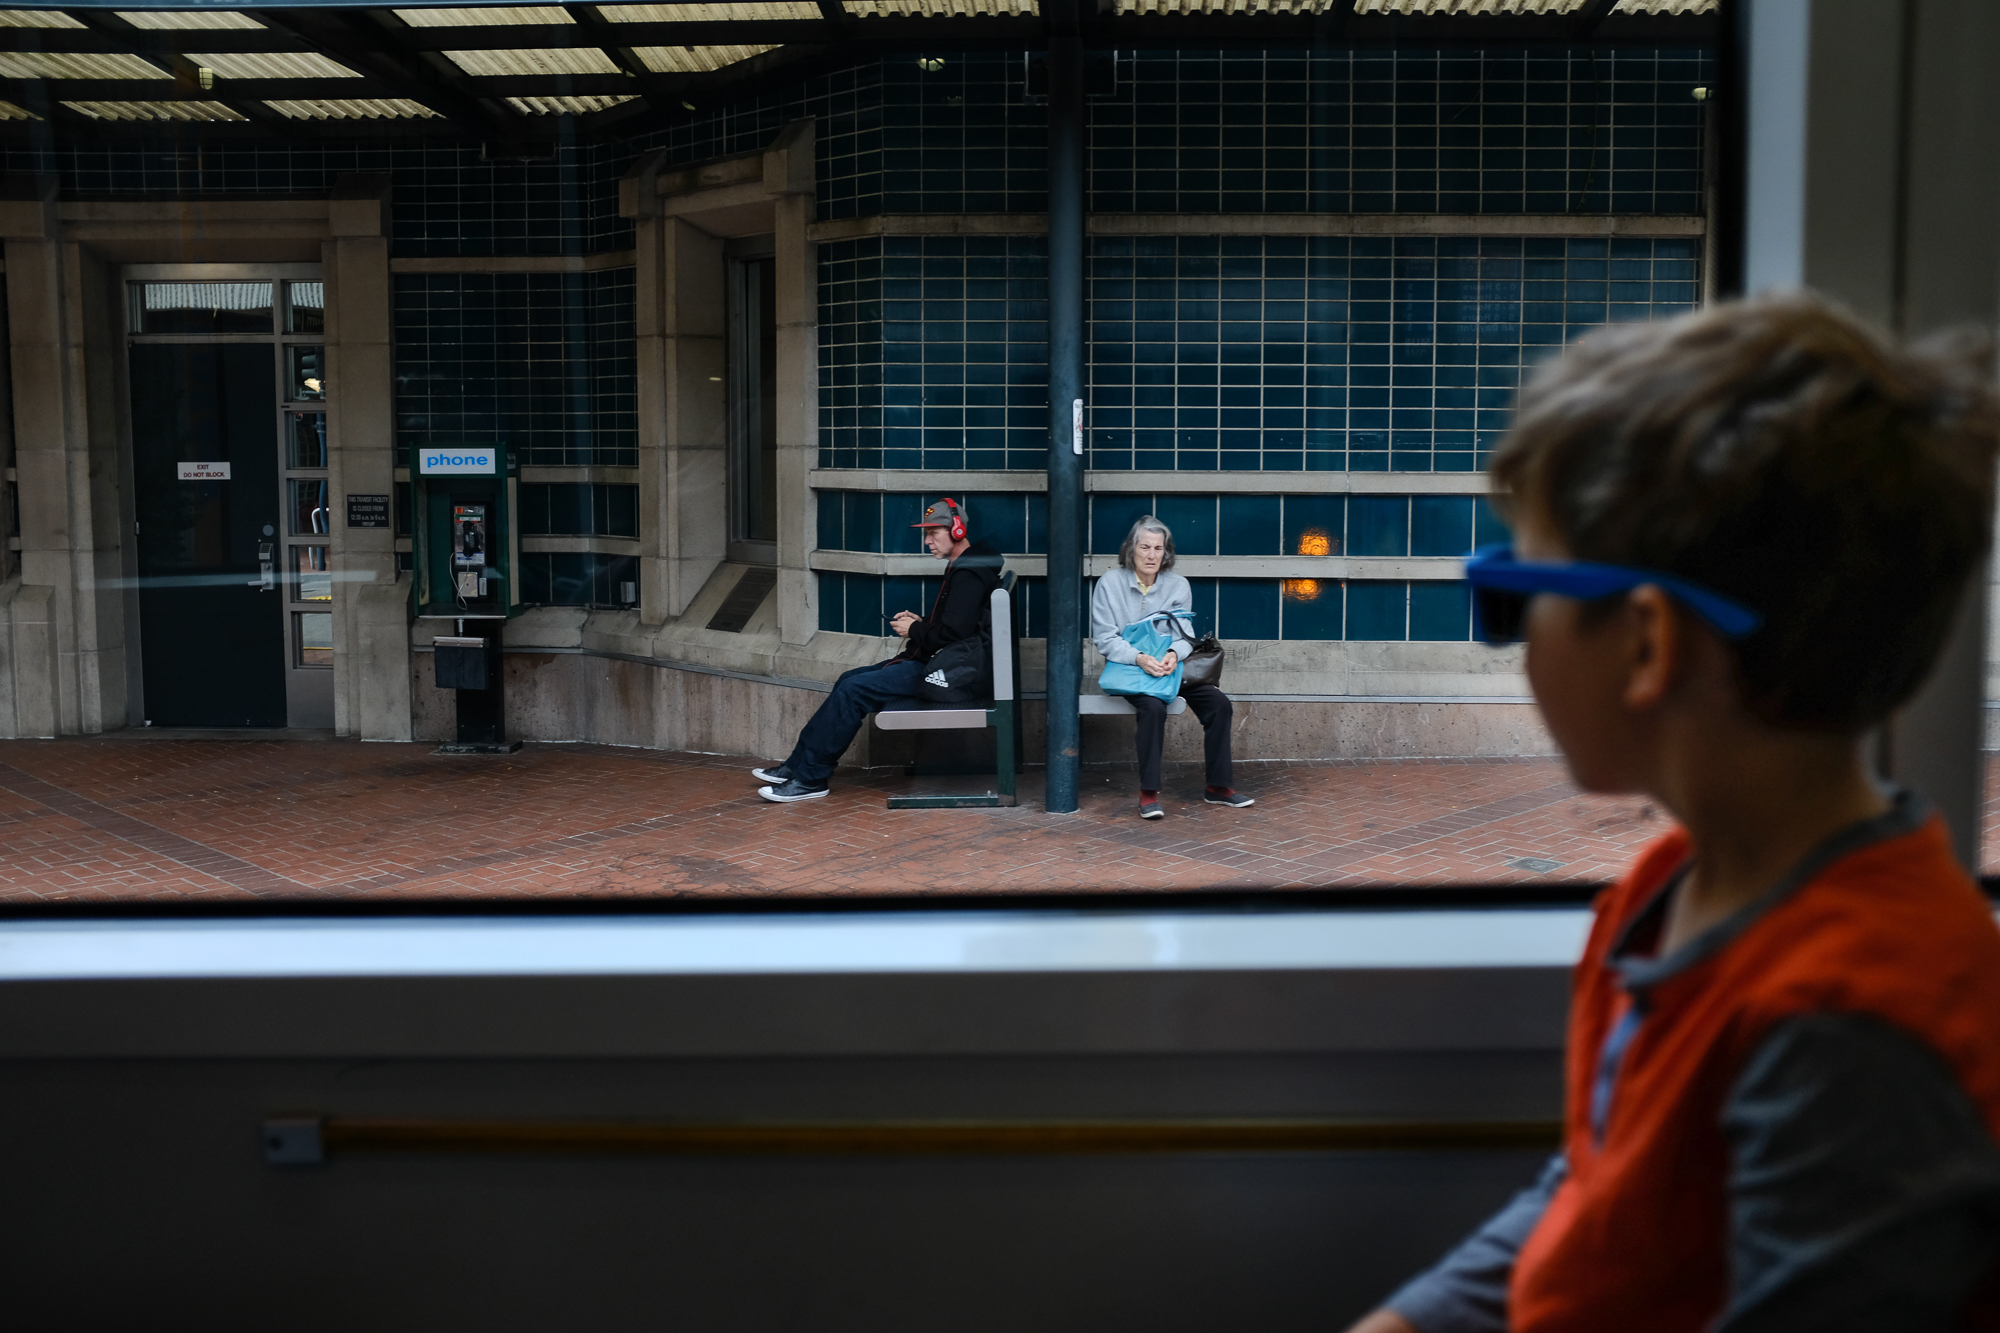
pixel 1002 718
pixel 1004 738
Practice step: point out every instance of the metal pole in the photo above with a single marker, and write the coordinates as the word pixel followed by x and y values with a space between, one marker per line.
pixel 1066 515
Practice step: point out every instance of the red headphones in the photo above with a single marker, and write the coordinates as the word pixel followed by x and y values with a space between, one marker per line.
pixel 957 517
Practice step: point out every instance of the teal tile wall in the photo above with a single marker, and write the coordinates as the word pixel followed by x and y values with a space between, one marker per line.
pixel 544 362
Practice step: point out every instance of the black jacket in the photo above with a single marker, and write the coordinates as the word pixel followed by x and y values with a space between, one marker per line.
pixel 962 609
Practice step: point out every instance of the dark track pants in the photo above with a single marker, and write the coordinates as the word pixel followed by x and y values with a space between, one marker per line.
pixel 1209 704
pixel 855 695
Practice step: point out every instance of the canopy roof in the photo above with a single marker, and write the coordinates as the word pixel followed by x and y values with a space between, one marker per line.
pixel 523 73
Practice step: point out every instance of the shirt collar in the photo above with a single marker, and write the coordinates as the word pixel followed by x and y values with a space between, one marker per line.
pixel 1639 973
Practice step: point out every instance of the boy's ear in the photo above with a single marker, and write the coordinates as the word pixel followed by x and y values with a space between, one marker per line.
pixel 1656 646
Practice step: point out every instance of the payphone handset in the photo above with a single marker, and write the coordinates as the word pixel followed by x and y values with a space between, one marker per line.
pixel 469 545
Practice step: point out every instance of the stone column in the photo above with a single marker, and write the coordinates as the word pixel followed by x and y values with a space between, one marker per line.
pixel 694 373
pixel 789 174
pixel 66 634
pixel 371 618
pixel 639 199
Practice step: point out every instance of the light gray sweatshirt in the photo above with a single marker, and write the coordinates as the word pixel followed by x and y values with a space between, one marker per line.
pixel 1117 602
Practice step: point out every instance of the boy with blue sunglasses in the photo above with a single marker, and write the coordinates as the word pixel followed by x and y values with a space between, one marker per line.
pixel 1741 539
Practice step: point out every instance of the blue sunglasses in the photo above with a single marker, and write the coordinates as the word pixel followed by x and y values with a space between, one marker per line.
pixel 1502 585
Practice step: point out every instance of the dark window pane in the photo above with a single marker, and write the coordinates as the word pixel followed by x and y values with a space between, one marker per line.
pixel 306 435
pixel 1112 517
pixel 569 509
pixel 1378 525
pixel 1440 610
pixel 1313 524
pixel 1250 525
pixel 1191 518
pixel 619 511
pixel 1204 604
pixel 831 604
pixel 1487 529
pixel 1440 525
pixel 1247 608
pixel 1375 610
pixel 535 510
pixel 861 521
pixel 1000 518
pixel 1312 608
pixel 831 506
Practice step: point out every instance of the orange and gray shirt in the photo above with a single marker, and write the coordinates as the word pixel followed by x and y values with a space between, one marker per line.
pixel 1791 1122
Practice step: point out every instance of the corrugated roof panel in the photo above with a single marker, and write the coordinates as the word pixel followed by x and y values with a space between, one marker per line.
pixel 484 18
pixel 564 106
pixel 354 108
pixel 1438 7
pixel 500 64
pixel 37 18
pixel 274 65
pixel 8 111
pixel 181 18
pixel 156 110
pixel 1665 7
pixel 740 11
pixel 51 65
pixel 943 8
pixel 1231 6
pixel 695 59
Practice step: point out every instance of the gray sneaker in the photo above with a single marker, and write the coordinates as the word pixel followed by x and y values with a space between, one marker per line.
pixel 792 790
pixel 777 775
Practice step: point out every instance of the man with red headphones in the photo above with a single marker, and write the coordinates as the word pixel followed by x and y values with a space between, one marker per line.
pixel 961 612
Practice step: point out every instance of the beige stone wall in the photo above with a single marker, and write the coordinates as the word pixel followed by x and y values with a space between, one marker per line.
pixel 579 696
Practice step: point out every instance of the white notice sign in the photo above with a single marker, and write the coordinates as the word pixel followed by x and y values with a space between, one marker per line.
pixel 204 471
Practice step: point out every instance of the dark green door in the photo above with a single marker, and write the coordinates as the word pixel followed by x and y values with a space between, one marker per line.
pixel 212 640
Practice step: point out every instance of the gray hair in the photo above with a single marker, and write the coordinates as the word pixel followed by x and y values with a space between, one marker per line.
pixel 1147 524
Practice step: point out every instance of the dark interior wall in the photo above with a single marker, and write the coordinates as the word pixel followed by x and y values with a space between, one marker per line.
pixel 130 1133
pixel 141 1199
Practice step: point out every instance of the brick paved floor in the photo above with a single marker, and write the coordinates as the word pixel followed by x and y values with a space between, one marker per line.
pixel 170 818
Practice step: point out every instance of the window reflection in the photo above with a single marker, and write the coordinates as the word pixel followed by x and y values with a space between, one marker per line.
pixel 305 307
pixel 307 379
pixel 311 515
pixel 201 307
pixel 306 432
pixel 314 577
pixel 312 631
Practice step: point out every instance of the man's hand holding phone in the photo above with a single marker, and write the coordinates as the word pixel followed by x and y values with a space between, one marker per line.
pixel 901 622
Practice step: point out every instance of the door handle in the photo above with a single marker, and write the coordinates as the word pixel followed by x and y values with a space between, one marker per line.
pixel 267 578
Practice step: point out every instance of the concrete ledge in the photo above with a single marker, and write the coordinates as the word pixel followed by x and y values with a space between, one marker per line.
pixel 579 695
pixel 1178 483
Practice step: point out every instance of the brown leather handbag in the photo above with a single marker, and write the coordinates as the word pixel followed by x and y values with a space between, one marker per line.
pixel 1204 664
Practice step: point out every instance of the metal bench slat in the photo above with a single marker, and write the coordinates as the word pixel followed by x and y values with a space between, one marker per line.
pixel 1112 705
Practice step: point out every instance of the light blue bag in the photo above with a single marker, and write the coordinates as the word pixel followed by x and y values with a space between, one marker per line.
pixel 1127 678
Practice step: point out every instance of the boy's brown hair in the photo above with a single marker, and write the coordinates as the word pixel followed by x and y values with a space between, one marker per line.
pixel 1778 451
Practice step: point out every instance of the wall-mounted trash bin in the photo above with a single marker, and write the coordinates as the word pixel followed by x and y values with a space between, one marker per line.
pixel 463 663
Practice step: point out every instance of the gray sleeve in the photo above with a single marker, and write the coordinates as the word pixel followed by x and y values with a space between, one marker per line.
pixel 1467 1291
pixel 1107 636
pixel 1864 1188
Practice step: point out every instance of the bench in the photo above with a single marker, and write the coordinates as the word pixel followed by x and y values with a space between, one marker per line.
pixel 1113 705
pixel 1003 714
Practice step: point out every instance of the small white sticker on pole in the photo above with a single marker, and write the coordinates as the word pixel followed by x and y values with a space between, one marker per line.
pixel 1076 426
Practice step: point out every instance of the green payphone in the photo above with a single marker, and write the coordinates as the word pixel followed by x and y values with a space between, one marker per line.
pixel 465 560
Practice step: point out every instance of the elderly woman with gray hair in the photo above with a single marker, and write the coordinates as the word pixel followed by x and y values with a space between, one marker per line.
pixel 1144 586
